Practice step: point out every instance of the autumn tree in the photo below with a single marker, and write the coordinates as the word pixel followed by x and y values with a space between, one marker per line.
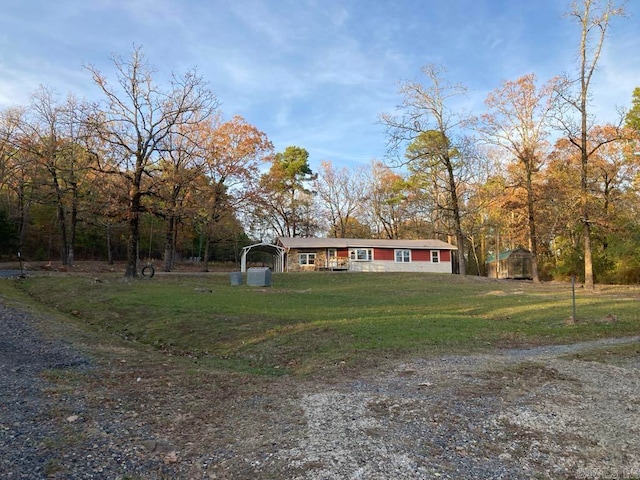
pixel 181 162
pixel 518 122
pixel 558 227
pixel 44 141
pixel 610 170
pixel 593 18
pixel 613 199
pixel 8 127
pixel 13 181
pixel 632 125
pixel 433 130
pixel 387 201
pixel 632 117
pixel 623 167
pixel 47 135
pixel 234 152
pixel 286 201
pixel 66 161
pixel 488 222
pixel 106 207
pixel 134 119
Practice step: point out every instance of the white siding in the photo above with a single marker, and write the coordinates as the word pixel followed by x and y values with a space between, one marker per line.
pixel 391 266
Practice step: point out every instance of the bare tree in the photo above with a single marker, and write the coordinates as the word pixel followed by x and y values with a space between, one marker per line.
pixel 48 133
pixel 342 193
pixel 386 201
pixel 427 121
pixel 593 18
pixel 17 173
pixel 135 118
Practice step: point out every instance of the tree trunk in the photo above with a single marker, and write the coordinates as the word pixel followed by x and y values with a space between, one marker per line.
pixel 168 245
pixel 474 250
pixel 588 262
pixel 64 244
pixel 134 234
pixel 24 219
pixel 132 248
pixel 584 187
pixel 64 247
pixel 462 264
pixel 205 258
pixel 73 226
pixel 483 254
pixel 109 249
pixel 533 241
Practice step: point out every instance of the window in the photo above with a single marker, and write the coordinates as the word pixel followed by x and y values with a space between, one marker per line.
pixel 435 256
pixel 307 258
pixel 403 256
pixel 361 254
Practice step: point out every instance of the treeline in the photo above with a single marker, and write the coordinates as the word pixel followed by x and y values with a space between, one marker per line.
pixel 155 171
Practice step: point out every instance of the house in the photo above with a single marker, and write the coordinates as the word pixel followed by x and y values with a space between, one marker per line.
pixel 366 255
pixel 514 264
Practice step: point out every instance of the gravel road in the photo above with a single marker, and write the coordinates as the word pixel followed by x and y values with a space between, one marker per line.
pixel 45 432
pixel 521 414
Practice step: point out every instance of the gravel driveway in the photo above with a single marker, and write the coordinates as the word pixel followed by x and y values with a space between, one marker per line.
pixel 510 415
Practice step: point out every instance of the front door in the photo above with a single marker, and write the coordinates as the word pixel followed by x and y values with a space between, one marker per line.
pixel 332 258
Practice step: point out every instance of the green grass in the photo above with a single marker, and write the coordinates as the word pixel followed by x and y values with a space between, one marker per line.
pixel 306 322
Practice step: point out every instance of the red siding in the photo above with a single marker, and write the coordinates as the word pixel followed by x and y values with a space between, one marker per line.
pixel 416 255
pixel 420 256
pixel 389 255
pixel 383 254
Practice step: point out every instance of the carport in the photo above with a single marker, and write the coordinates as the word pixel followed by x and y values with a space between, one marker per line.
pixel 276 251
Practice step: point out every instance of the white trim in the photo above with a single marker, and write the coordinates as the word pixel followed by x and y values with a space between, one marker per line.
pixel 398 250
pixel 307 256
pixel 353 255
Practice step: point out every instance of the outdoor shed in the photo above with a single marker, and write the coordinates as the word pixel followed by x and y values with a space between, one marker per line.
pixel 515 264
pixel 367 255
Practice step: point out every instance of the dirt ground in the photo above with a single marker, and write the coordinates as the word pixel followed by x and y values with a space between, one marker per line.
pixel 526 414
pixel 513 414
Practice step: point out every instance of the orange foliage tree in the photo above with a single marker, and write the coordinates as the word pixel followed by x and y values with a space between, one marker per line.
pixel 518 122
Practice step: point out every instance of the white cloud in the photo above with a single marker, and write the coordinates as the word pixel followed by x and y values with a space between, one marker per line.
pixel 315 73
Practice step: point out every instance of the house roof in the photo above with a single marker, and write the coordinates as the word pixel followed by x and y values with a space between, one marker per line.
pixel 306 242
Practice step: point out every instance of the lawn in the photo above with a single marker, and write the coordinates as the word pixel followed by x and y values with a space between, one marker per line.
pixel 306 322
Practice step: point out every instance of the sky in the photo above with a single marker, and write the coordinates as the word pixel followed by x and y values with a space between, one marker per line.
pixel 311 73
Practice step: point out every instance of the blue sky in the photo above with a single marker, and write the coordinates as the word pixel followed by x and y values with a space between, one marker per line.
pixel 311 73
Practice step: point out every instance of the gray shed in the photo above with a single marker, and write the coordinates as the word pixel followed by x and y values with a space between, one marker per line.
pixel 515 264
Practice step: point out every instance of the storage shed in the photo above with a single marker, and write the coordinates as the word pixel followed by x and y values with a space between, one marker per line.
pixel 515 264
